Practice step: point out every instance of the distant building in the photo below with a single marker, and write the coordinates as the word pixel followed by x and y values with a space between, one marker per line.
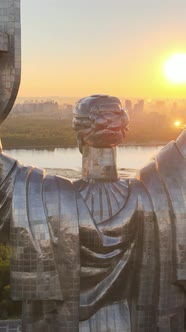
pixel 156 119
pixel 128 105
pixel 34 108
pixel 139 106
pixel 160 106
pixel 66 111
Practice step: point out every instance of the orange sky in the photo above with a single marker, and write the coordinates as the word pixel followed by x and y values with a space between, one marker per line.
pixel 77 49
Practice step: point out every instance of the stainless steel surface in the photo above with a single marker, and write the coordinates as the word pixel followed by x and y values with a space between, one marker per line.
pixel 129 271
pixel 100 254
pixel 99 163
pixel 100 121
pixel 10 54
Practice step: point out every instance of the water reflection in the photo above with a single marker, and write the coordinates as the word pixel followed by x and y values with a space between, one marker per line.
pixel 132 157
pixel 136 157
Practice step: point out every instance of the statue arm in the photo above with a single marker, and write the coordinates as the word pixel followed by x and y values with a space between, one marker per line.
pixel 172 167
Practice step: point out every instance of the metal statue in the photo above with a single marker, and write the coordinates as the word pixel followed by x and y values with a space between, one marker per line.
pixel 10 54
pixel 101 254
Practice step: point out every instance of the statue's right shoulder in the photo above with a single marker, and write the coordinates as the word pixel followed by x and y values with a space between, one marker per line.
pixel 7 166
pixel 54 187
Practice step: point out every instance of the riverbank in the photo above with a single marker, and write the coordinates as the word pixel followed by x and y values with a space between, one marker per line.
pixel 75 175
pixel 128 157
pixel 42 133
pixel 52 148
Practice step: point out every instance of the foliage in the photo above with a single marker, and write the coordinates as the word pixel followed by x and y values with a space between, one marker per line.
pixel 37 132
pixel 19 131
pixel 8 308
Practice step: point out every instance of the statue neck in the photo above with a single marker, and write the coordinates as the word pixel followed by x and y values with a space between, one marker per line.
pixel 99 164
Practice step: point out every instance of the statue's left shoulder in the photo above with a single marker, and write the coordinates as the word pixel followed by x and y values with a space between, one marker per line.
pixel 181 143
pixel 168 171
pixel 172 158
pixel 171 166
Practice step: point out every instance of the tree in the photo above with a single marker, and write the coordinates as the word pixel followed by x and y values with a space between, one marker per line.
pixel 8 308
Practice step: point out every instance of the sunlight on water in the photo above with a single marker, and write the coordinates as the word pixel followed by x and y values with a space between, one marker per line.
pixel 133 157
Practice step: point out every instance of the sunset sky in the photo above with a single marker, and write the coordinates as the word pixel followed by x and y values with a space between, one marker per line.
pixel 81 47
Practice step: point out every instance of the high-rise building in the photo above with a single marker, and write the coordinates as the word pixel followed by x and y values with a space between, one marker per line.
pixel 139 106
pixel 128 105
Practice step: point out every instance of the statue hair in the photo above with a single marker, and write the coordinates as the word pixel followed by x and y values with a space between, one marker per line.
pixel 101 122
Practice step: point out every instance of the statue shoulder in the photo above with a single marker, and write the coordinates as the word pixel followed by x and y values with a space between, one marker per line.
pixel 7 165
pixel 181 143
pixel 8 170
pixel 167 171
pixel 171 160
pixel 57 191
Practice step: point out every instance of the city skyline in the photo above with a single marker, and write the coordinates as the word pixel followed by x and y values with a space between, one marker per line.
pixel 80 48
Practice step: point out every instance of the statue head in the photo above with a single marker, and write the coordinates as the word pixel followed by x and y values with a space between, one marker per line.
pixel 100 121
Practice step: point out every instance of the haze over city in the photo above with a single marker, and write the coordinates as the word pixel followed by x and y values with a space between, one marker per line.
pixel 76 48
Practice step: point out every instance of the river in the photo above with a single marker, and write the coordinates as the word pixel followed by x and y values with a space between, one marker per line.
pixel 128 157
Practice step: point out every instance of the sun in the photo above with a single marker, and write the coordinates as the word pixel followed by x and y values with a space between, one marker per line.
pixel 177 123
pixel 175 68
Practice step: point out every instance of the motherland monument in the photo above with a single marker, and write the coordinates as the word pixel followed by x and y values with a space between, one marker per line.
pixel 101 254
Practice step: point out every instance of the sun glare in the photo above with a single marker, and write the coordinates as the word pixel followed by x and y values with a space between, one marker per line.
pixel 177 123
pixel 175 68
